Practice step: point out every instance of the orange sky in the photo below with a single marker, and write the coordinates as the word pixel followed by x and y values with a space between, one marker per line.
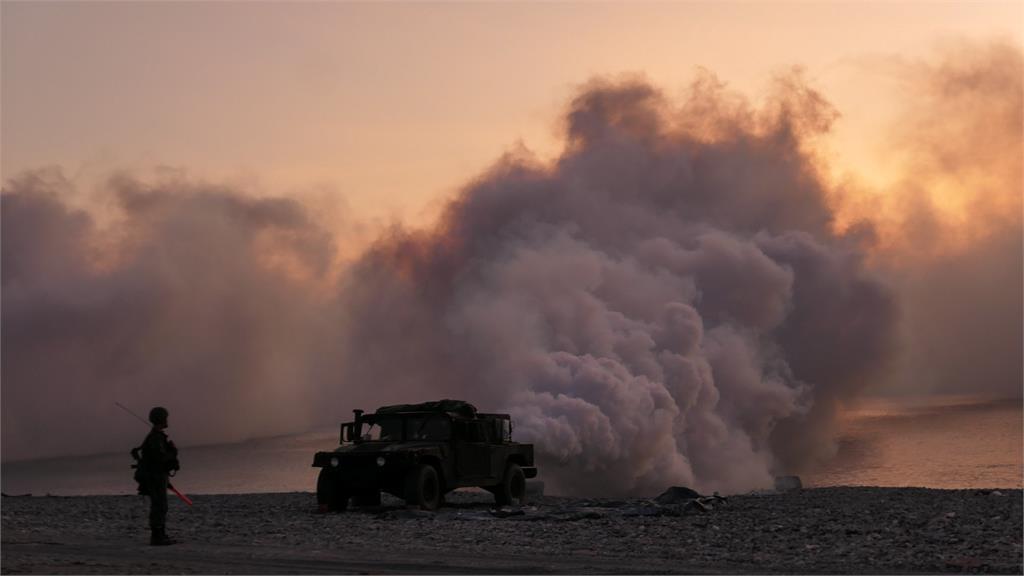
pixel 390 107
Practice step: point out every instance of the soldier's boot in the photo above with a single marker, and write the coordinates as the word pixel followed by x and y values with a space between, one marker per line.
pixel 160 538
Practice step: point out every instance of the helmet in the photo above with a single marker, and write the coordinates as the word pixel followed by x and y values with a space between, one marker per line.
pixel 158 415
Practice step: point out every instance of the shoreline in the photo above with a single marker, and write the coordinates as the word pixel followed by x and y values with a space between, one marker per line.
pixel 814 530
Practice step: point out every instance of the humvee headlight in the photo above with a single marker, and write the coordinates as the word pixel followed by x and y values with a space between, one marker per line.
pixel 380 460
pixel 334 462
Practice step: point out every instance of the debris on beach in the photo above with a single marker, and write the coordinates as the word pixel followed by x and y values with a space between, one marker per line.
pixel 677 494
pixel 689 499
pixel 506 512
pixel 788 483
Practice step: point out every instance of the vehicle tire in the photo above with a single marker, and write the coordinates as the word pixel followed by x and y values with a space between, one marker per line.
pixel 367 498
pixel 423 487
pixel 329 493
pixel 512 487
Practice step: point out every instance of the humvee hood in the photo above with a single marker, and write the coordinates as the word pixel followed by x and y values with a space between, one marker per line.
pixel 386 447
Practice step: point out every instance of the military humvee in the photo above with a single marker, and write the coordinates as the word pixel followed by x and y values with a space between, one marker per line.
pixel 420 452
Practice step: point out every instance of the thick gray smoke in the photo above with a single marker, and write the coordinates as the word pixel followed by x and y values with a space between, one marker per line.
pixel 194 298
pixel 956 255
pixel 666 303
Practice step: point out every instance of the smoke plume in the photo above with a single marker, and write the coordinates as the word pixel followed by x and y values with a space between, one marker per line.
pixel 950 226
pixel 680 297
pixel 665 303
pixel 195 297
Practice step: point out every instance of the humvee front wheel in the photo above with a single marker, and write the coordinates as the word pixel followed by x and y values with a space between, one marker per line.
pixel 329 494
pixel 512 487
pixel 423 487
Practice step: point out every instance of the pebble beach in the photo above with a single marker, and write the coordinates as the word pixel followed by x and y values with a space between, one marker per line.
pixel 820 530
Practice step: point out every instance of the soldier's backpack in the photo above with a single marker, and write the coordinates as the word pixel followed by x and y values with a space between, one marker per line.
pixel 140 475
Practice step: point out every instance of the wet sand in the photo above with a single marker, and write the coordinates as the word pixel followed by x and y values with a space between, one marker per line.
pixel 822 530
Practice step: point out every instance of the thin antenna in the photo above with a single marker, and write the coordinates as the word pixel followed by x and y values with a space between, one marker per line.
pixel 123 407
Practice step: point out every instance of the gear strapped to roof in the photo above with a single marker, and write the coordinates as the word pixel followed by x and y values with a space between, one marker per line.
pixel 459 407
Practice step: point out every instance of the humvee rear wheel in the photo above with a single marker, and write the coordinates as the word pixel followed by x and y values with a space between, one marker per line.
pixel 329 494
pixel 512 487
pixel 423 487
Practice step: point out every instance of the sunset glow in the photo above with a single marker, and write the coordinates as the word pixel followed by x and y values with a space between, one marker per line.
pixel 671 239
pixel 393 106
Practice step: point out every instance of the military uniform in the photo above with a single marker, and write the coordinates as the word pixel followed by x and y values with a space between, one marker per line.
pixel 158 459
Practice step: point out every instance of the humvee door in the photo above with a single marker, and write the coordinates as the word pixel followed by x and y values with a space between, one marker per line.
pixel 472 451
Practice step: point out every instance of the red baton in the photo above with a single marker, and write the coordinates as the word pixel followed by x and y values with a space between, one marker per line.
pixel 184 498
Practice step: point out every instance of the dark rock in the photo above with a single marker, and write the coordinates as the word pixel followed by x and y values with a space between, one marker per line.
pixel 788 483
pixel 677 495
pixel 698 505
pixel 506 512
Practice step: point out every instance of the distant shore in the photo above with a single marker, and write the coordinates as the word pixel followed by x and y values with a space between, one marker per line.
pixel 820 530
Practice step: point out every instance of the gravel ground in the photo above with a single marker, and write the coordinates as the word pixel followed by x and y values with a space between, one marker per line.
pixel 821 530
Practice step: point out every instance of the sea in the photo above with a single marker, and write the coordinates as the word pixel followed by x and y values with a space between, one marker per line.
pixel 949 442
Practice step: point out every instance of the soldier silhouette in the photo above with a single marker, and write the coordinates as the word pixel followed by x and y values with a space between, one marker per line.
pixel 157 462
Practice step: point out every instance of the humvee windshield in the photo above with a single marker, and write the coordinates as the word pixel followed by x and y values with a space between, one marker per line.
pixel 383 430
pixel 390 428
pixel 434 427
